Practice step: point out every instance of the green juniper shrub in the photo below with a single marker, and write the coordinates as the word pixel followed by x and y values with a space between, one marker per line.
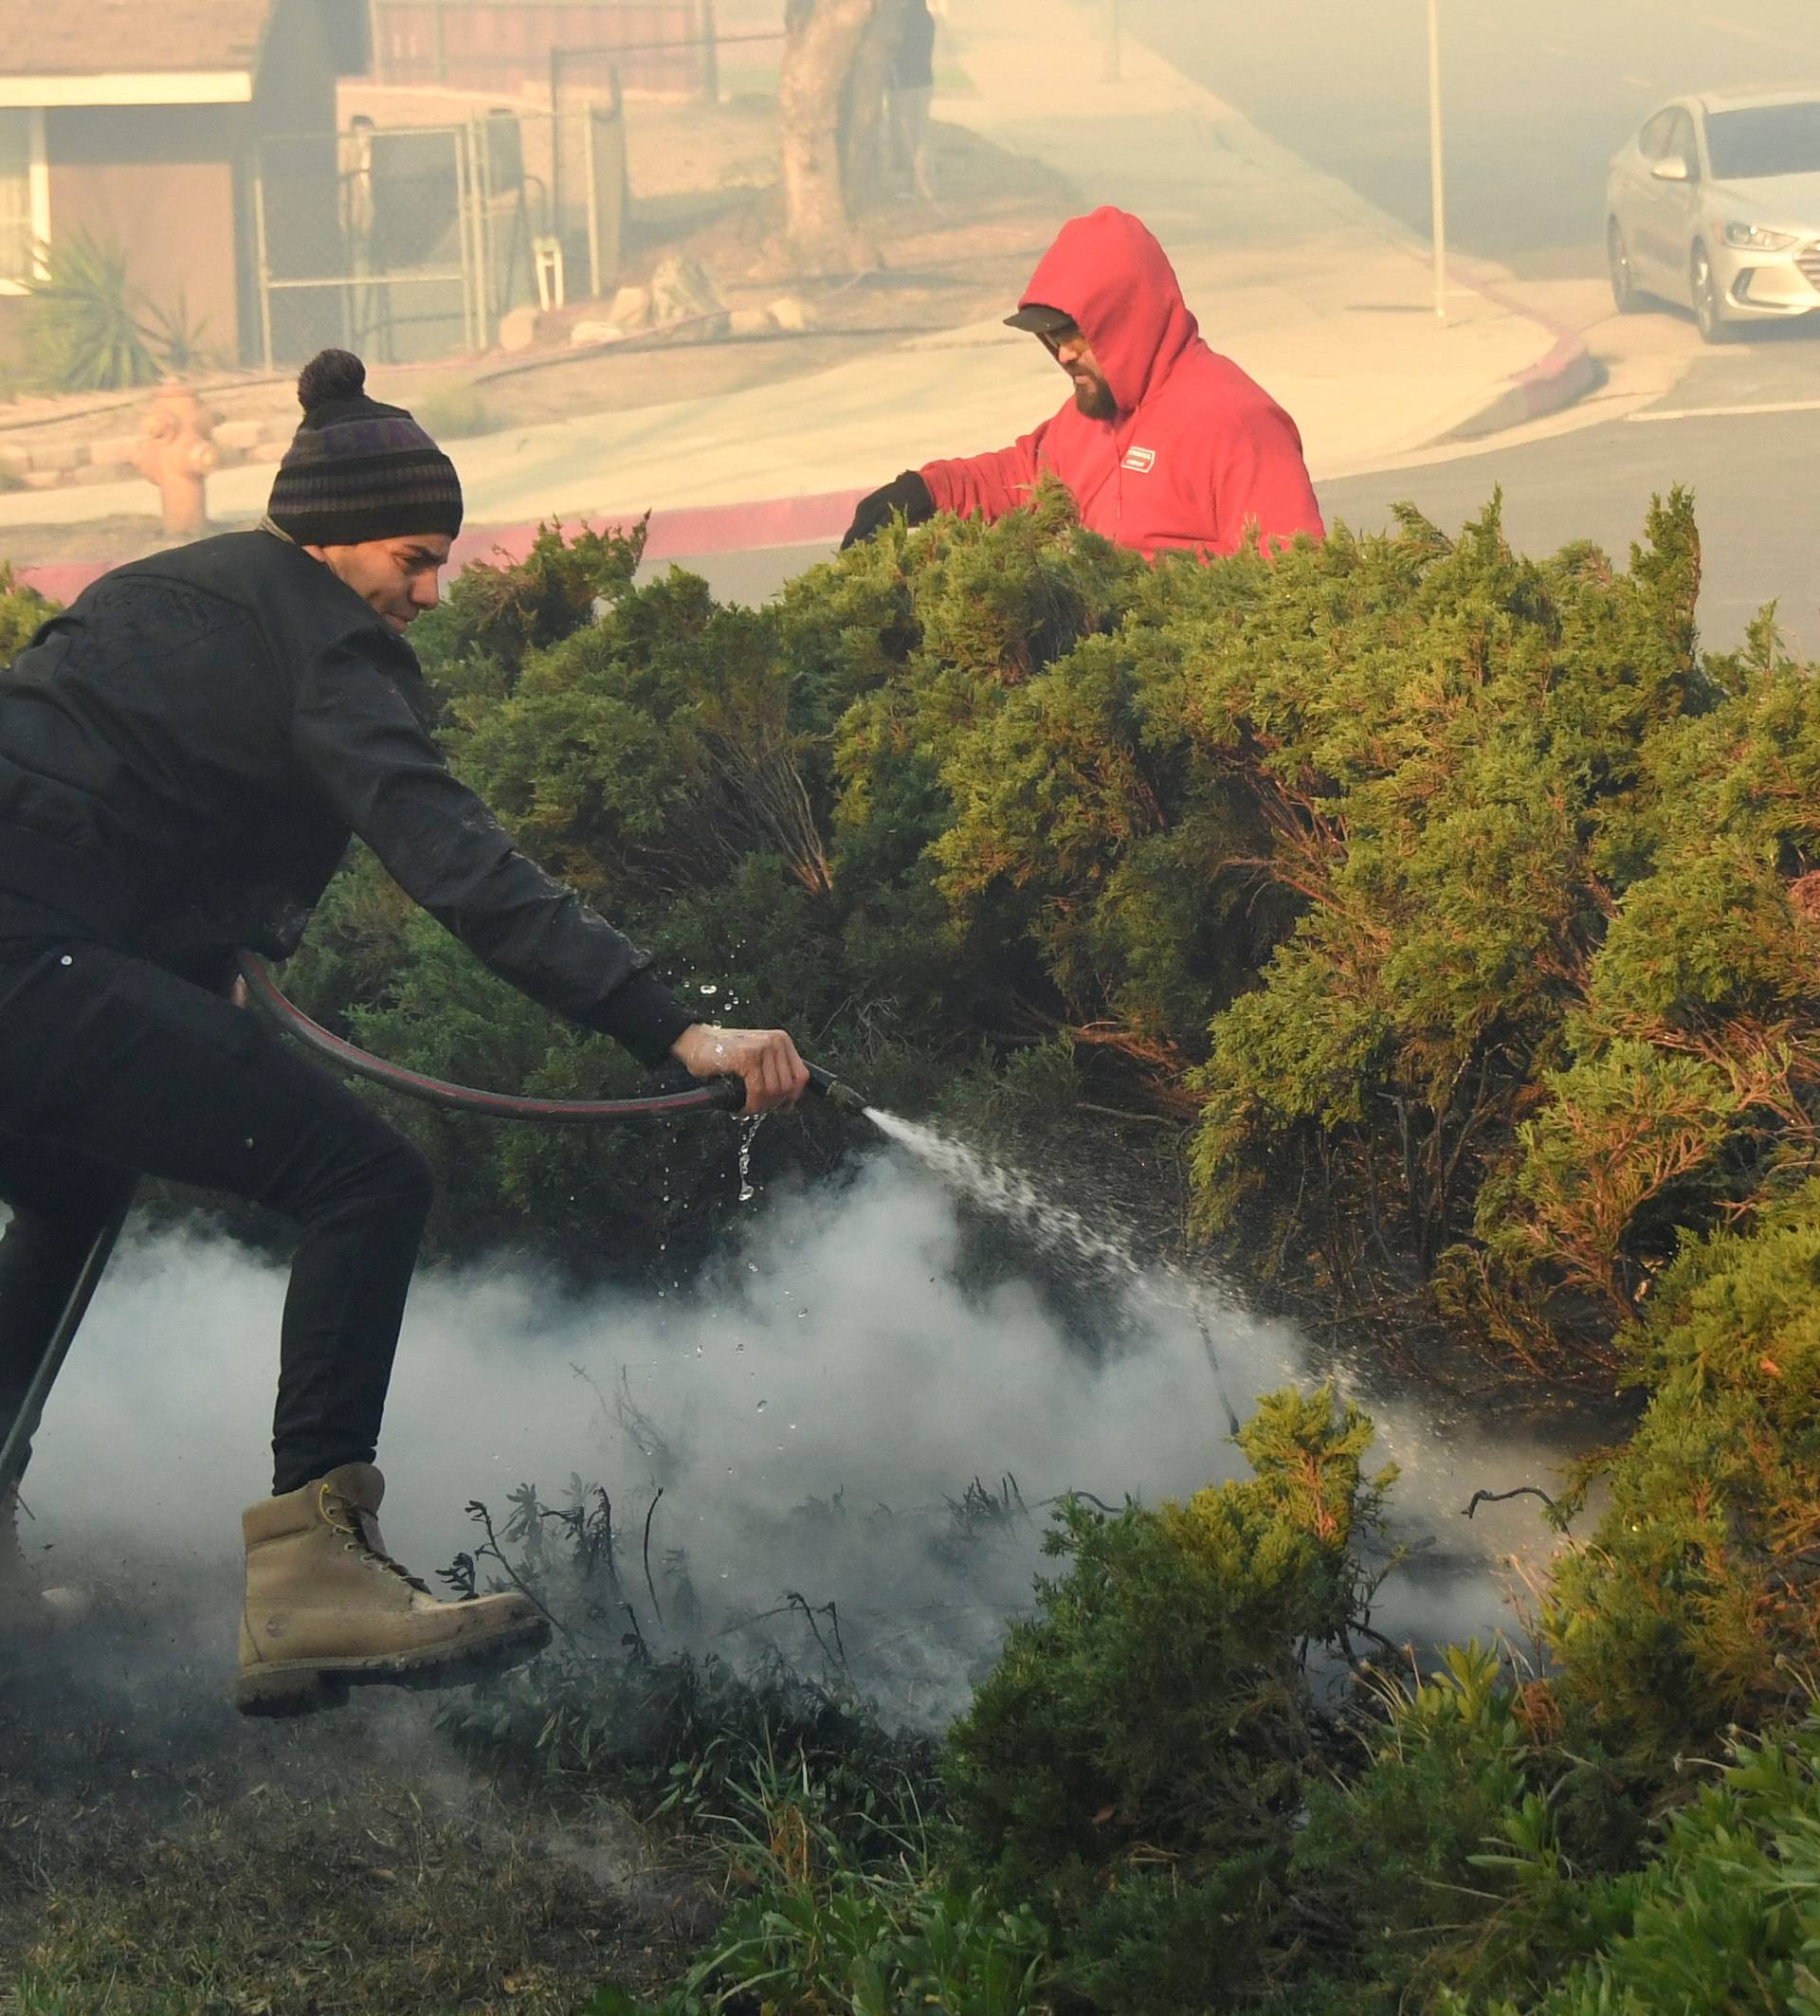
pixel 1456 1856
pixel 22 611
pixel 1435 751
pixel 1136 1761
pixel 1721 1915
pixel 1693 1604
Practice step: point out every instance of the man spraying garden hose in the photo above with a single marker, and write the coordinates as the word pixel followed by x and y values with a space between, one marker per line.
pixel 184 754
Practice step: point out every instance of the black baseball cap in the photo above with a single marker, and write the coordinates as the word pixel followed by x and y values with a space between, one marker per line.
pixel 1040 320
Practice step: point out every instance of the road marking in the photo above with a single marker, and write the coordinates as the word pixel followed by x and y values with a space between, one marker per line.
pixel 1727 413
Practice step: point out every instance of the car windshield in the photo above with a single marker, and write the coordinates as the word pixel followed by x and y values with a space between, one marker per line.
pixel 1769 140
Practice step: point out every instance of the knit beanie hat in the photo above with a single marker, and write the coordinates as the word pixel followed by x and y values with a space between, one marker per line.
pixel 357 470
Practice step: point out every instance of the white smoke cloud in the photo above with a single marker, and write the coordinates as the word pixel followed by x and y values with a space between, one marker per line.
pixel 836 1356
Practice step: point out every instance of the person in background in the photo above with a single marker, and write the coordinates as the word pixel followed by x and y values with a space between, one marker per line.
pixel 184 754
pixel 910 86
pixel 1166 446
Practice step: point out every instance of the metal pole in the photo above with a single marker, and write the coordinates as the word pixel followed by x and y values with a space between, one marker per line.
pixel 25 1423
pixel 593 167
pixel 263 254
pixel 1437 176
pixel 557 136
pixel 710 56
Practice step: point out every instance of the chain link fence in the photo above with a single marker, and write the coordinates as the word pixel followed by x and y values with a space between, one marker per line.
pixel 415 242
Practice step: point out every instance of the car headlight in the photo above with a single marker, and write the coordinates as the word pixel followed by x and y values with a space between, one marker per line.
pixel 1754 238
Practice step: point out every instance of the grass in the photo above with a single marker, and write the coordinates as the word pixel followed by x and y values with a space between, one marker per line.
pixel 161 1857
pixel 477 1851
pixel 355 1897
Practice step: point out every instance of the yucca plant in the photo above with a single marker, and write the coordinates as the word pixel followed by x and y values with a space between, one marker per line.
pixel 84 332
pixel 178 338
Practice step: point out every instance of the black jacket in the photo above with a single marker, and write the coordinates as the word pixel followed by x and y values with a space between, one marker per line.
pixel 185 751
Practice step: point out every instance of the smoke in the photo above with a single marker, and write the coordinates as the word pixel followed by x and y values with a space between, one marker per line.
pixel 813 1412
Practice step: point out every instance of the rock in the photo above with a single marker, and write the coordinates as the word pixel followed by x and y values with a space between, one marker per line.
pixel 43 478
pixel 682 291
pixel 58 458
pixel 518 330
pixel 596 333
pixel 710 328
pixel 630 308
pixel 14 461
pixel 789 311
pixel 242 434
pixel 750 323
pixel 113 450
pixel 268 450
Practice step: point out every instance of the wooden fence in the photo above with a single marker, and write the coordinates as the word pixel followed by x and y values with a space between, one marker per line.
pixel 660 48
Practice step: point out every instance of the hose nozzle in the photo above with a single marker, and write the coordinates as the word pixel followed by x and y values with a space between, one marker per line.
pixel 840 1095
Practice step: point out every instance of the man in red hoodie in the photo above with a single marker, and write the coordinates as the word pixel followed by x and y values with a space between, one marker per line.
pixel 1166 444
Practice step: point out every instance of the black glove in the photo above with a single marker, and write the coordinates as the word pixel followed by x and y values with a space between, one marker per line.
pixel 908 493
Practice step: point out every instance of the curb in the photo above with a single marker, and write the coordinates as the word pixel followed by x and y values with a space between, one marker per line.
pixel 671 534
pixel 1565 376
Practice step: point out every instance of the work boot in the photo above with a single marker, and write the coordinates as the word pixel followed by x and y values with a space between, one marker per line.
pixel 328 1608
pixel 27 1607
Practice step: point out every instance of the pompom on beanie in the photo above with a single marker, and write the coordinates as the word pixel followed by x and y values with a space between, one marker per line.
pixel 356 470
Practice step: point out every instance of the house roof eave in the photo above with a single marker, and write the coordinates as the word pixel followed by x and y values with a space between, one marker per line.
pixel 128 87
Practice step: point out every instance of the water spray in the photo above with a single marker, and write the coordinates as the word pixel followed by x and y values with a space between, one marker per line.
pixel 724 1093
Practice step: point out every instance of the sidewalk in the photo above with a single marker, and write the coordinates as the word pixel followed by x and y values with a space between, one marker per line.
pixel 1324 299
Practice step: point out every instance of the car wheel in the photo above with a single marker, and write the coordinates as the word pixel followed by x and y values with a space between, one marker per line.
pixel 1708 313
pixel 1626 296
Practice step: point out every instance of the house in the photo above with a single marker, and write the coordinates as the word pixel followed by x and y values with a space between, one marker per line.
pixel 140 122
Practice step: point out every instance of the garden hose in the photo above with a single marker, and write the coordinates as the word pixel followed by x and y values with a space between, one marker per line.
pixel 711 1095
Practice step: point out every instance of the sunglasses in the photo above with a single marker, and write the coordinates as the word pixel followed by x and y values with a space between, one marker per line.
pixel 1055 340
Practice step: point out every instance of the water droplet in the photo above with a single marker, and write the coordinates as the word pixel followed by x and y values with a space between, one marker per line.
pixel 748 1130
pixel 762 1405
pixel 707 988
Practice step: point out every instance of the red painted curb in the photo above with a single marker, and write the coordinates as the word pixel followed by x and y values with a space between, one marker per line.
pixel 1549 386
pixel 700 528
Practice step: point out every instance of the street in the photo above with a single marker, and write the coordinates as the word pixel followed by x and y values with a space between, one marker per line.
pixel 1537 99
pixel 1752 484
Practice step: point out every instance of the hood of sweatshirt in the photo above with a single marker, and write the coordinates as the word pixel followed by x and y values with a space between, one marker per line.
pixel 1109 273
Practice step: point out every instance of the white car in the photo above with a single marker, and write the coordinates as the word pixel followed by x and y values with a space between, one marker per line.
pixel 1715 205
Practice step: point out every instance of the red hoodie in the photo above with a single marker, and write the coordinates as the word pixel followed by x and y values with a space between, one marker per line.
pixel 1198 451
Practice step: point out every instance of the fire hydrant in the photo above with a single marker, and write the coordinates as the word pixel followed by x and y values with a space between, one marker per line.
pixel 178 454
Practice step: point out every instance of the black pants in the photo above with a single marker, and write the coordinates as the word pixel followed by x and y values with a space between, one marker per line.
pixel 111 1068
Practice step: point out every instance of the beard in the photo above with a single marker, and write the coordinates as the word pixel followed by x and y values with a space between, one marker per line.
pixel 1093 397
